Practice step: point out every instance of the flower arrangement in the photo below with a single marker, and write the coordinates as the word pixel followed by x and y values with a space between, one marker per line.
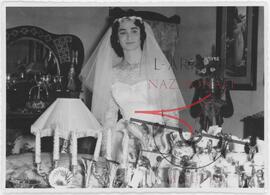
pixel 207 66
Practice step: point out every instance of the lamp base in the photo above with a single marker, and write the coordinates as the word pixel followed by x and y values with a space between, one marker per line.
pixel 73 169
pixel 55 164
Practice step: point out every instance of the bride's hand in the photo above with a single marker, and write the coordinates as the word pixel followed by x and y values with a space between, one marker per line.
pixel 135 130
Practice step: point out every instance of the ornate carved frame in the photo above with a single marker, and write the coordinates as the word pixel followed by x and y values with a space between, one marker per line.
pixel 61 45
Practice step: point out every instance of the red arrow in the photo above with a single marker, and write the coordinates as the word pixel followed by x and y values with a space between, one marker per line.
pixel 182 121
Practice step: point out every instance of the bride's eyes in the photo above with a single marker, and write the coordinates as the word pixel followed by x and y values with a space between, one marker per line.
pixel 124 32
pixel 135 31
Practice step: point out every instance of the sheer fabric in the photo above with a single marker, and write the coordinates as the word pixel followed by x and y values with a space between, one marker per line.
pixel 167 36
pixel 98 76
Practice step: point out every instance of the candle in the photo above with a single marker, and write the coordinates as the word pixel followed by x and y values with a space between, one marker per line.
pixel 88 174
pixel 38 148
pixel 74 148
pixel 125 149
pixel 56 145
pixel 109 145
pixel 98 145
pixel 113 170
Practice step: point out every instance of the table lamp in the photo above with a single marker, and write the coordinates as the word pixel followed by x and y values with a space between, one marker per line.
pixel 69 119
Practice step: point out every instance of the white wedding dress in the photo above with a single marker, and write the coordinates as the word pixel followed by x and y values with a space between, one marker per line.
pixel 124 87
pixel 131 98
pixel 129 93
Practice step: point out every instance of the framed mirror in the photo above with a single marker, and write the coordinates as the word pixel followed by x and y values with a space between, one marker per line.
pixel 39 64
pixel 31 56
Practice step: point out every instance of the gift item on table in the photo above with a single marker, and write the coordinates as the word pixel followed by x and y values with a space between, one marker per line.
pixel 60 178
pixel 261 146
pixel 205 178
pixel 232 180
pixel 142 176
pixel 192 178
pixel 210 162
pixel 214 130
pixel 137 177
pixel 56 147
pixel 173 176
pixel 87 170
pixel 97 174
pixel 204 141
pixel 65 146
pixel 218 178
pixel 237 147
pixel 260 178
pixel 259 160
pixel 156 170
pixel 113 166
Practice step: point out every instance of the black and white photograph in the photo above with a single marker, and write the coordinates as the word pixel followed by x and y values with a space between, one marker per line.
pixel 98 96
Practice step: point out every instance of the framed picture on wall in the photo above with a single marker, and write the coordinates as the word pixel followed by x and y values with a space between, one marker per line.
pixel 237 30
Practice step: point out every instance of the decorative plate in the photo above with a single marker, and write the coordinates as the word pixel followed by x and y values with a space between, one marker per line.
pixel 60 177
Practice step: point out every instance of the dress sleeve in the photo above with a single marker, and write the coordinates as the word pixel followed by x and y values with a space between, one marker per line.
pixel 112 114
pixel 110 123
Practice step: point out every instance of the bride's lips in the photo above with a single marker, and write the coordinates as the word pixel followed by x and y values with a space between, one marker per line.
pixel 129 43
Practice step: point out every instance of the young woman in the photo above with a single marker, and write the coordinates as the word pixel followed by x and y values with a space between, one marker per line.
pixel 128 72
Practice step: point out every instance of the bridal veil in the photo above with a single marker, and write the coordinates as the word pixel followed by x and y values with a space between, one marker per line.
pixel 96 75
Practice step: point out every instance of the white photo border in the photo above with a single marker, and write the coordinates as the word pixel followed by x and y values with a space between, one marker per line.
pixel 66 3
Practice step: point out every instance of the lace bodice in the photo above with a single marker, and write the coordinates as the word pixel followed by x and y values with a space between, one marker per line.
pixel 129 93
pixel 129 74
pixel 126 79
pixel 131 98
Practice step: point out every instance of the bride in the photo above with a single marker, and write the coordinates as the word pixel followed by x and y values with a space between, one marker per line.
pixel 122 73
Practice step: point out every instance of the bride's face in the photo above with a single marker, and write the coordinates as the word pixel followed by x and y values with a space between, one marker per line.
pixel 129 35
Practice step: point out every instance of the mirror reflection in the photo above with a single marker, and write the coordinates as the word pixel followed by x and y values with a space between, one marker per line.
pixel 32 72
pixel 31 56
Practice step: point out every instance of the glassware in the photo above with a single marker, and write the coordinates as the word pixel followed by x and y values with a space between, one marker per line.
pixel 218 179
pixel 71 75
pixel 38 94
pixel 173 176
pixel 260 178
pixel 192 178
pixel 232 180
pixel 88 174
pixel 57 83
pixel 112 166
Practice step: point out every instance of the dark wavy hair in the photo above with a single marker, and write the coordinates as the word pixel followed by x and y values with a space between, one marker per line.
pixel 114 37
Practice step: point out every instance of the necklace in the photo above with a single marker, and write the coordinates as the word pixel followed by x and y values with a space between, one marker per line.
pixel 131 64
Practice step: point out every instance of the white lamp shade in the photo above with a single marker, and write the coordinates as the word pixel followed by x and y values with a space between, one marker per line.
pixel 67 115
